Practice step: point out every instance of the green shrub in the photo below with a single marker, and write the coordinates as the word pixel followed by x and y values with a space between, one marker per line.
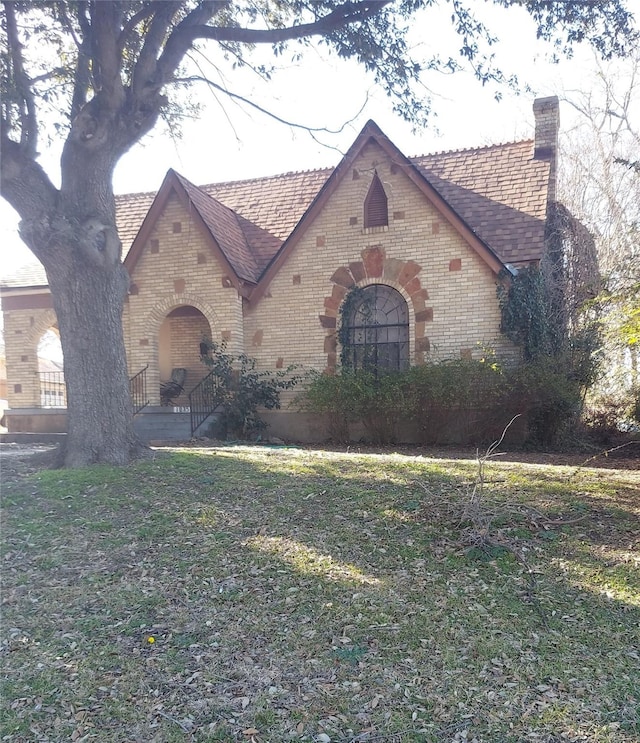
pixel 355 397
pixel 549 397
pixel 243 390
pixel 454 400
pixel 437 399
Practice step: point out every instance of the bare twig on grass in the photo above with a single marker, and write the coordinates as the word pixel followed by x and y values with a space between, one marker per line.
pixel 482 535
pixel 182 726
pixel 604 453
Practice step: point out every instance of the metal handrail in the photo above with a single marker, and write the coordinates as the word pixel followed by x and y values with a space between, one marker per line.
pixel 204 398
pixel 138 390
pixel 53 390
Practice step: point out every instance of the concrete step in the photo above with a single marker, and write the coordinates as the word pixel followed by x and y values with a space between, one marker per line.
pixel 160 423
pixel 157 423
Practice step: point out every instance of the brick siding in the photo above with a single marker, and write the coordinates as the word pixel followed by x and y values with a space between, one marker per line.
pixel 450 291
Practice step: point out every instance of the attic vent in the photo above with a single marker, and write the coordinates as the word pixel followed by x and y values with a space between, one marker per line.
pixel 376 212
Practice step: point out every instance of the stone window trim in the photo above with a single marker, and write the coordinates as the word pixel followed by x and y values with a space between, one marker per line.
pixel 375 268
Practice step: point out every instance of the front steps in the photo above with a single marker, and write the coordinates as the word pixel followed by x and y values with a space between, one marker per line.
pixel 159 423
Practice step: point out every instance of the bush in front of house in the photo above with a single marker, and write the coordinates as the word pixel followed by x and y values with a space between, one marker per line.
pixel 450 401
pixel 550 398
pixel 242 389
pixel 355 399
pixel 454 400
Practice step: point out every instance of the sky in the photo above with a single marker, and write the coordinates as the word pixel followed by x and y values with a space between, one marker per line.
pixel 232 142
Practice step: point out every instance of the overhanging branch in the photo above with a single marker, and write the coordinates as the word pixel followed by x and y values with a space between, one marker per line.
pixel 266 112
pixel 190 30
pixel 345 15
pixel 23 86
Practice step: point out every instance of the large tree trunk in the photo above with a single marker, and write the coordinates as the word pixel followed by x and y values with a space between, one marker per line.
pixel 73 232
pixel 88 303
pixel 89 286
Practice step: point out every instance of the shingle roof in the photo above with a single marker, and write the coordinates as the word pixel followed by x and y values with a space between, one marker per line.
pixel 225 228
pixel 499 191
pixel 275 203
pixel 31 274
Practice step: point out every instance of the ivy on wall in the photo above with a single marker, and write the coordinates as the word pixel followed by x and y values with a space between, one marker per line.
pixel 547 309
pixel 354 300
pixel 527 313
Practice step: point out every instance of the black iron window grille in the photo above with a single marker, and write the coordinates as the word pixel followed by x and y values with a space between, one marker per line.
pixel 377 331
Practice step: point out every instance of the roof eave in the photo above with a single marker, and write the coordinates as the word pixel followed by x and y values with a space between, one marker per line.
pixel 372 131
pixel 24 289
pixel 172 184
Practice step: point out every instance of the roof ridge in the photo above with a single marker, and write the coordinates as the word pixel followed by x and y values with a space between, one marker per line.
pixel 327 169
pixel 473 149
pixel 133 194
pixel 288 173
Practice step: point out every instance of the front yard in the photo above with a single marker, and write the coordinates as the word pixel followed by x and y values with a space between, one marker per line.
pixel 275 594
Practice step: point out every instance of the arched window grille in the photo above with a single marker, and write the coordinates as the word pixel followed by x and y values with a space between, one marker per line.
pixel 376 212
pixel 375 335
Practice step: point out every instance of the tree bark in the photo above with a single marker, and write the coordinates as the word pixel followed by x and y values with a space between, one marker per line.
pixel 88 304
pixel 73 233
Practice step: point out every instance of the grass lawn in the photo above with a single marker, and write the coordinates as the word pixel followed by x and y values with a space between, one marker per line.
pixel 256 594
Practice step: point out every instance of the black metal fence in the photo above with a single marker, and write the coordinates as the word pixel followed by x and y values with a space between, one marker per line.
pixel 204 398
pixel 138 390
pixel 53 390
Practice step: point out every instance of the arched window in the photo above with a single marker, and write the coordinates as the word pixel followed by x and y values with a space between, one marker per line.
pixel 375 335
pixel 376 212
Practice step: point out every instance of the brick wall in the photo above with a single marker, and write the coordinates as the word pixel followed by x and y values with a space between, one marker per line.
pixel 178 268
pixel 547 118
pixel 23 330
pixel 450 291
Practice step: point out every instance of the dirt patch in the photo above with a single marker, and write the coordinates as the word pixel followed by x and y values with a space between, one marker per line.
pixel 18 460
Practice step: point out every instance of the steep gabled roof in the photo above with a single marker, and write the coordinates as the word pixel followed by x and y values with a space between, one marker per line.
pixel 219 223
pixel 495 196
pixel 275 203
pixel 224 227
pixel 372 133
pixel 500 191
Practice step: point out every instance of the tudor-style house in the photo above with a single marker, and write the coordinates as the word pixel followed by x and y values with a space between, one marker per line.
pixel 265 265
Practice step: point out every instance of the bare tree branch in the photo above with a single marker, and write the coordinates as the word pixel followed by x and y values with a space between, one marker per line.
pixel 24 184
pixel 82 74
pixel 130 25
pixel 176 46
pixel 145 68
pixel 190 30
pixel 107 57
pixel 27 105
pixel 266 112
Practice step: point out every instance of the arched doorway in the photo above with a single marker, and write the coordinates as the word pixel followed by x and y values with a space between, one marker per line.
pixel 181 332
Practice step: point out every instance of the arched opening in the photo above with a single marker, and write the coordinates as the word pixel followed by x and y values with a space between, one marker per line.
pixel 53 390
pixel 375 332
pixel 182 331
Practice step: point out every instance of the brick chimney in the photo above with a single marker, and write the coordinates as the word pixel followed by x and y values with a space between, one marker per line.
pixel 546 112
